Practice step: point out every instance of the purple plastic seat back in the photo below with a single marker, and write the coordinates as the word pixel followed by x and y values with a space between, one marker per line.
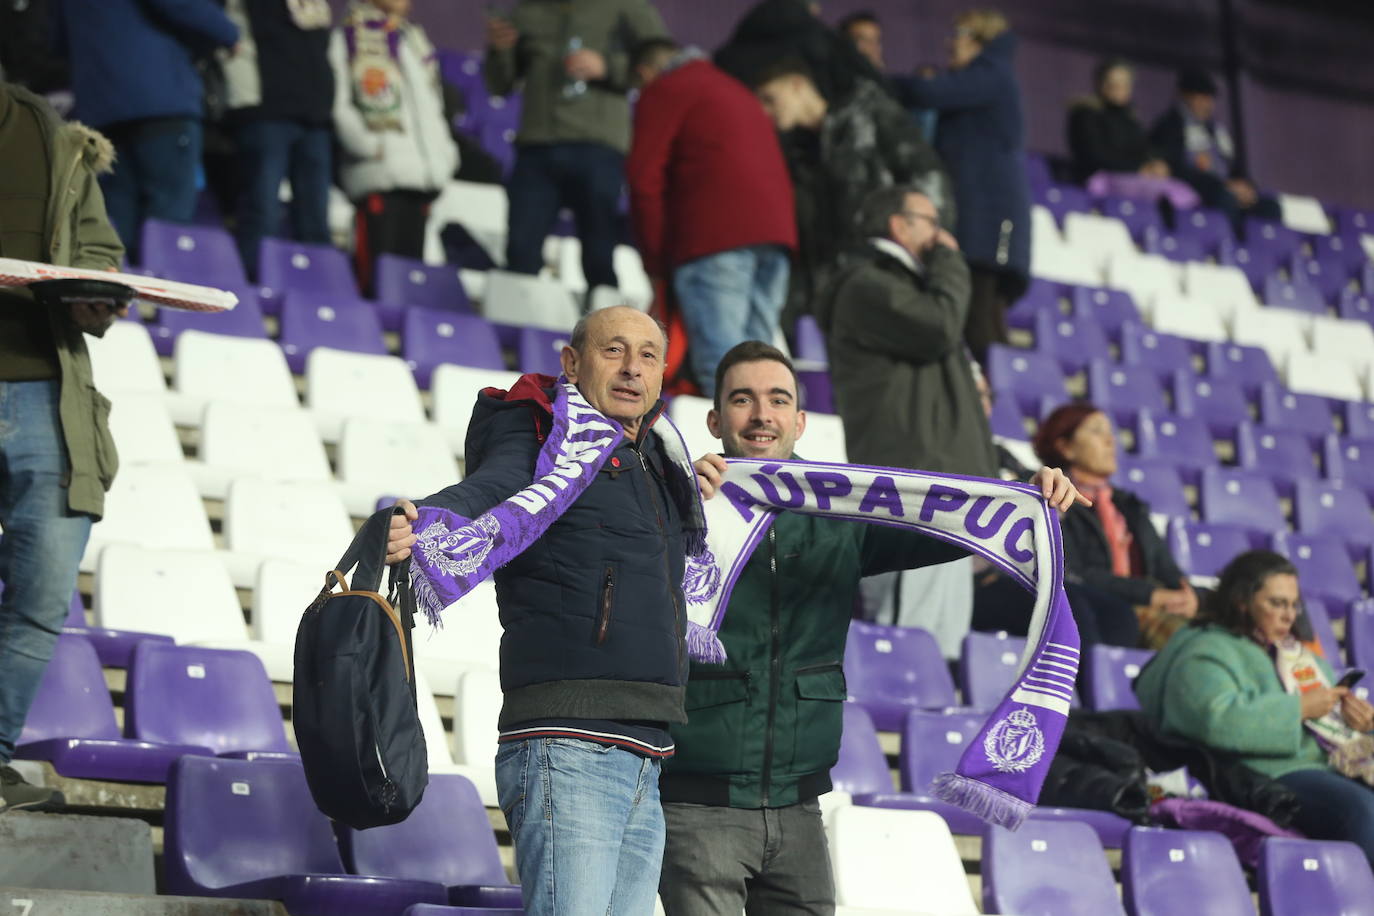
pixel 463 71
pixel 1111 672
pixel 1359 634
pixel 1113 308
pixel 1243 498
pixel 1329 507
pixel 1327 273
pixel 987 667
pixel 229 822
pixel 1355 305
pixel 1027 374
pixel 1123 391
pixel 243 320
pixel 810 342
pixel 1250 366
pixel 1218 402
pixel 1357 418
pixel 1324 569
pixel 343 324
pixel 861 768
pixel 1047 868
pixel 932 743
pixel 193 254
pixel 72 699
pixel 1282 455
pixel 1037 171
pixel 1270 234
pixel 1309 414
pixel 447 839
pixel 1338 249
pixel 216 698
pixel 1138 215
pixel 1211 228
pixel 1296 294
pixel 1007 419
pixel 1258 264
pixel 891 670
pixel 1041 296
pixel 817 393
pixel 1204 549
pixel 1168 872
pixel 1072 341
pixel 1062 199
pixel 1184 441
pixel 538 350
pixel 1302 877
pixel 318 272
pixel 1163 354
pixel 1319 613
pixel 1156 482
pixel 1351 461
pixel 404 283
pixel 1175 247
pixel 434 336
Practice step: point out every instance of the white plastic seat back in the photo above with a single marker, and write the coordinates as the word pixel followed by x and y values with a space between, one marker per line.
pixel 1186 317
pixel 1058 262
pixel 1314 373
pixel 482 209
pixel 894 859
pixel 823 439
pixel 468 639
pixel 124 360
pixel 535 302
pixel 1099 237
pixel 152 506
pixel 143 430
pixel 1279 332
pixel 1144 276
pixel 1221 286
pixel 304 521
pixel 688 414
pixel 281 593
pixel 185 594
pixel 340 384
pixel 379 459
pixel 240 440
pixel 213 367
pixel 567 262
pixel 455 390
pixel 630 276
pixel 476 709
pixel 1351 342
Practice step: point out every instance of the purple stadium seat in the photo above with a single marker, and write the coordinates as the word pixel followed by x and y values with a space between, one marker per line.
pixel 1218 402
pixel 463 71
pixel 1138 216
pixel 892 670
pixel 1351 461
pixel 1258 264
pixel 1328 507
pixel 1123 391
pixel 1168 872
pixel 72 724
pixel 1047 868
pixel 1324 570
pixel 320 273
pixel 217 698
pixel 1356 305
pixel 1062 199
pixel 538 350
pixel 1007 419
pixel 1243 498
pixel 1163 354
pixel 1359 634
pixel 1352 221
pixel 861 768
pixel 1037 171
pixel 114 648
pixel 1073 342
pixel 1357 419
pixel 243 320
pixel 1309 414
pixel 344 324
pixel 1182 441
pixel 446 840
pixel 1282 455
pixel 987 667
pixel 403 283
pixel 817 394
pixel 434 336
pixel 249 828
pixel 1156 482
pixel 1111 672
pixel 1113 308
pixel 1204 549
pixel 1338 250
pixel 1260 233
pixel 1319 613
pixel 1302 877
pixel 1250 366
pixel 1327 274
pixel 810 342
pixel 1026 374
pixel 193 254
pixel 1211 227
pixel 1041 296
pixel 1293 294
pixel 1176 247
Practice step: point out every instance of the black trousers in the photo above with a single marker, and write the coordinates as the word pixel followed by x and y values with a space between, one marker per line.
pixel 989 300
pixel 1000 604
pixel 389 222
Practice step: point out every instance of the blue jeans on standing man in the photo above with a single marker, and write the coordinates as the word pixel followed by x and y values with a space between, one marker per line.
pixel 586 823
pixel 271 151
pixel 728 298
pixel 154 177
pixel 40 550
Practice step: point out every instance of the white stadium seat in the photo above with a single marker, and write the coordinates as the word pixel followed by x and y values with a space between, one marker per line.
pixel 438 750
pixel 1100 237
pixel 1317 373
pixel 124 360
pixel 893 859
pixel 482 209
pixel 379 459
pixel 823 439
pixel 299 521
pixel 1222 286
pixel 535 302
pixel 143 430
pixel 1185 317
pixel 476 709
pixel 241 440
pixel 1305 214
pixel 281 593
pixel 1351 342
pixel 1144 276
pixel 215 367
pixel 340 384
pixel 469 639
pixel 152 506
pixel 688 414
pixel 630 276
pixel 566 261
pixel 455 390
pixel 1280 332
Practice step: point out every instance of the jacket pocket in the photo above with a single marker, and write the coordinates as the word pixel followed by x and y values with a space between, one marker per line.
pixel 606 603
pixel 106 456
pixel 821 692
pixel 717 733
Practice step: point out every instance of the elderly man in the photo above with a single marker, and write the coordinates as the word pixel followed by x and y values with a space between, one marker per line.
pixel 593 661
pixel 744 826
pixel 894 321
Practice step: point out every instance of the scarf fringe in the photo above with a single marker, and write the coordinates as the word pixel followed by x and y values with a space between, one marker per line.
pixel 704 645
pixel 426 599
pixel 982 800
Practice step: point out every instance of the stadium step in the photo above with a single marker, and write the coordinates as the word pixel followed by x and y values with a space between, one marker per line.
pixel 76 853
pixel 25 901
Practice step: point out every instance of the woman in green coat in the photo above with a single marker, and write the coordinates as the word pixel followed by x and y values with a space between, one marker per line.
pixel 1239 682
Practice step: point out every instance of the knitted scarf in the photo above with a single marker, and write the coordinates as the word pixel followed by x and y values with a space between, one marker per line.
pixel 374 40
pixel 1349 752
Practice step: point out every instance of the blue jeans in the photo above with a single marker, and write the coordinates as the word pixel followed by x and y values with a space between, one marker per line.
pixel 40 550
pixel 728 298
pixel 154 177
pixel 584 177
pixel 271 151
pixel 587 826
pixel 1333 807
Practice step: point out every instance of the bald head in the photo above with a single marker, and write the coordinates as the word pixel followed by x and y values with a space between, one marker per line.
pixel 615 358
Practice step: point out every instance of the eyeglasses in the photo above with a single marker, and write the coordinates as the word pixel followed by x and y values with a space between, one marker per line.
pixel 913 215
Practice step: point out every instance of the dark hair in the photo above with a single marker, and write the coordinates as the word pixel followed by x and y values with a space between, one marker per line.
pixel 784 66
pixel 578 339
pixel 860 17
pixel 1062 423
pixel 644 53
pixel 1107 66
pixel 1240 581
pixel 752 351
pixel 880 205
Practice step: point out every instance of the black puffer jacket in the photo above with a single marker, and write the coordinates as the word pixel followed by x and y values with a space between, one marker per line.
pixel 1088 559
pixel 593 611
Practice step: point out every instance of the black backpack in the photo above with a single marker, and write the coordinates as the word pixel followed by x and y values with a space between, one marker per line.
pixel 354 709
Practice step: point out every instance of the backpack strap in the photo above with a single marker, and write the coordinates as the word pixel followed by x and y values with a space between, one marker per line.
pixel 367 552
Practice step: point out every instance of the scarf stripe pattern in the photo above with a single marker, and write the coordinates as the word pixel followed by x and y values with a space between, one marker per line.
pixel 1009 524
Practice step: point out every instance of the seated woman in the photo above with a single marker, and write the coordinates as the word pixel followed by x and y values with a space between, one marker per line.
pixel 1240 682
pixel 1112 548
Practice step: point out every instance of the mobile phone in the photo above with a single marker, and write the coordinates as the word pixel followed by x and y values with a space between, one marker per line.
pixel 1350 678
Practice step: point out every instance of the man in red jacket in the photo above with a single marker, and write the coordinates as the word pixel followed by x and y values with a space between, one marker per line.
pixel 711 201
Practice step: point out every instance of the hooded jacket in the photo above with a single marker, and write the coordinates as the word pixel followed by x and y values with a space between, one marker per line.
pixel 593 612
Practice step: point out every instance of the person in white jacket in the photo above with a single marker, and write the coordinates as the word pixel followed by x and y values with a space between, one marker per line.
pixel 398 152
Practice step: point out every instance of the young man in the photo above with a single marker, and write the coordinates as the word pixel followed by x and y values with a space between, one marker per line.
pixel 739 797
pixel 593 660
pixel 866 33
pixel 711 202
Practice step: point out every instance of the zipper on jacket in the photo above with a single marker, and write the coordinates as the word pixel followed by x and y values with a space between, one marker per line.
pixel 711 674
pixel 607 598
pixel 774 664
pixel 820 666
pixel 663 533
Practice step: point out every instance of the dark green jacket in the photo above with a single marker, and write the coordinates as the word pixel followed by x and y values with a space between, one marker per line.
pixel 763 730
pixel 602 113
